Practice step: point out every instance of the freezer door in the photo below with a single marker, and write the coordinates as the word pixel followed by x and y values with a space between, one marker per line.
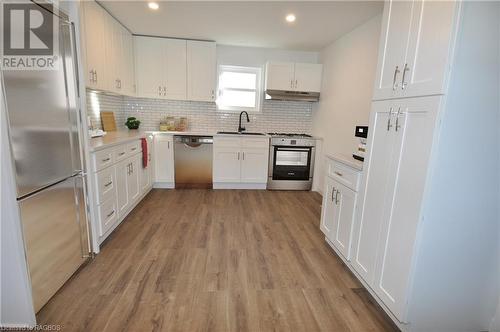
pixel 54 227
pixel 41 125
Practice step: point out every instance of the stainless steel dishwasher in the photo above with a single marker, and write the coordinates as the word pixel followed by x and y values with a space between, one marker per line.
pixel 193 161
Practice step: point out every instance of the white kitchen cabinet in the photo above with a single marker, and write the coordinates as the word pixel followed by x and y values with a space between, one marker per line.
pixel 289 76
pixel 399 150
pixel 240 162
pixel 175 68
pixel 415 48
pixel 375 177
pixel 308 77
pixel 149 67
pixel 109 52
pixel 163 159
pixel 94 25
pixel 201 70
pixel 254 165
pixel 280 75
pixel 339 203
pixel 160 67
pixel 122 187
pixel 133 181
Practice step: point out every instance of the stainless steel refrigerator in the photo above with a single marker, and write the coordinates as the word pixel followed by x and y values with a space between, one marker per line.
pixel 44 126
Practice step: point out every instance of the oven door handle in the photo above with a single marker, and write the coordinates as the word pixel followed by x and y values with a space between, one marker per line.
pixel 293 149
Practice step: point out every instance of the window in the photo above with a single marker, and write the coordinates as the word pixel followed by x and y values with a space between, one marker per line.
pixel 239 89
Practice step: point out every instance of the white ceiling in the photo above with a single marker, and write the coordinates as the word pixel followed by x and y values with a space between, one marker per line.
pixel 247 23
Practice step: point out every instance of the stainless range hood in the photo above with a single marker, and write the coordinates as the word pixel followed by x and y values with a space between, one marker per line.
pixel 292 95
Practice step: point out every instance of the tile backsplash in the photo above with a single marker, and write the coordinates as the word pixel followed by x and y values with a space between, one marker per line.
pixel 275 116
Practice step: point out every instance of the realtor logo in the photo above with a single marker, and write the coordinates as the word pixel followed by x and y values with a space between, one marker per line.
pixel 29 36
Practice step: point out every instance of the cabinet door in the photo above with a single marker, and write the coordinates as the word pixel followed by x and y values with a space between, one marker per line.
pixel 94 25
pixel 227 165
pixel 254 164
pixel 133 181
pixel 408 168
pixel 280 75
pixel 374 187
pixel 113 50
pixel 308 77
pixel 163 158
pixel 127 62
pixel 432 33
pixel 201 70
pixel 149 66
pixel 122 188
pixel 175 68
pixel 396 24
pixel 328 209
pixel 343 218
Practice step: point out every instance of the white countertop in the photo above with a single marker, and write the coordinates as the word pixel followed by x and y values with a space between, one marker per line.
pixel 346 160
pixel 113 138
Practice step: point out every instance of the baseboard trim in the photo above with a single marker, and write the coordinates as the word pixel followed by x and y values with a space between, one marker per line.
pixel 164 185
pixel 232 185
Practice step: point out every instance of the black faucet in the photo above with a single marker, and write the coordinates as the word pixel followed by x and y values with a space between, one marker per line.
pixel 240 128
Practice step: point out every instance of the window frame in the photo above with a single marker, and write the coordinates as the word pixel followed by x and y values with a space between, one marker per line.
pixel 258 88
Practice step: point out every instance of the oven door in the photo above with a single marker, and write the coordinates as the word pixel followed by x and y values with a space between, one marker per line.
pixel 291 163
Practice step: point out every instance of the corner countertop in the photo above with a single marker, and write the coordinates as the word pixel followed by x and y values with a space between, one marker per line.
pixel 346 160
pixel 113 138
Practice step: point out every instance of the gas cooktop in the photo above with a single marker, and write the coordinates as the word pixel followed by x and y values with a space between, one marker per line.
pixel 289 135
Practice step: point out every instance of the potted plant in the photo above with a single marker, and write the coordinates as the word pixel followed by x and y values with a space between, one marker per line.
pixel 132 123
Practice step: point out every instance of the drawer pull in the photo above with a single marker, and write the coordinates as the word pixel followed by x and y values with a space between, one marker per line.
pixel 121 153
pixel 106 159
pixel 133 149
pixel 338 173
pixel 108 184
pixel 110 214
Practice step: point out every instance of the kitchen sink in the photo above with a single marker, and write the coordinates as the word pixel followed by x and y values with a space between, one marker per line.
pixel 238 133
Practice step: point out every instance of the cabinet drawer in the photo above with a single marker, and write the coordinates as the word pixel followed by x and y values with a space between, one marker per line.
pixel 343 174
pixel 103 159
pixel 258 143
pixel 107 216
pixel 134 148
pixel 121 152
pixel 105 184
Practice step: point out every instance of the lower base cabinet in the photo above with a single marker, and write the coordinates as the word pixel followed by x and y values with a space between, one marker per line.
pixel 240 162
pixel 120 181
pixel 339 204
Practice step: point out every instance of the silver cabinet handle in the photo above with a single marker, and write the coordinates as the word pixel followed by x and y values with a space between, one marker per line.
pixel 159 90
pixel 243 155
pixel 164 90
pixel 337 197
pixel 291 84
pixel 95 72
pixel 338 173
pixel 106 159
pixel 133 149
pixel 389 125
pixel 110 214
pixel 403 82
pixel 394 84
pixel 213 94
pixel 168 145
pixel 120 83
pixel 238 156
pixel 121 153
pixel 333 194
pixel 108 184
pixel 296 84
pixel 397 119
pixel 91 78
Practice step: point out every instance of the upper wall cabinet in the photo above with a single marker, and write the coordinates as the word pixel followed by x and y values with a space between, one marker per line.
pixel 415 48
pixel 289 76
pixel 109 51
pixel 201 70
pixel 160 65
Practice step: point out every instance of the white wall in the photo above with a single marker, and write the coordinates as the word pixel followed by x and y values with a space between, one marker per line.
pixel 349 66
pixel 256 56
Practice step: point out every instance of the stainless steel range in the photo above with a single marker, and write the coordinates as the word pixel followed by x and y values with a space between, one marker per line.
pixel 291 161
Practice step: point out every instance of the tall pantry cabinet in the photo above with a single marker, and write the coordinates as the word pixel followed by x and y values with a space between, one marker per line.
pixel 406 246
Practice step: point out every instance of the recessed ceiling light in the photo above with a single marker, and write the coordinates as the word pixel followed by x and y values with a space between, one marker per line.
pixel 153 5
pixel 290 18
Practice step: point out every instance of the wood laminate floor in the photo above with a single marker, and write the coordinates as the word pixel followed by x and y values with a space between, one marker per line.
pixel 226 260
